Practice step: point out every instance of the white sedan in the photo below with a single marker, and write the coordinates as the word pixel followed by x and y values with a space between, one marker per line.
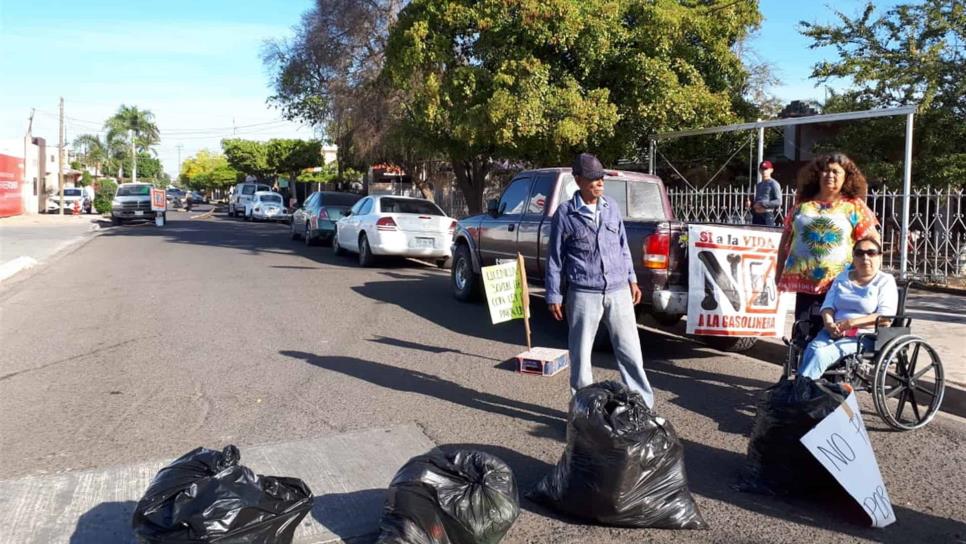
pixel 395 225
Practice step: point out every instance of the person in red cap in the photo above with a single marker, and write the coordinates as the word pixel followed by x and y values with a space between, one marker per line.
pixel 768 197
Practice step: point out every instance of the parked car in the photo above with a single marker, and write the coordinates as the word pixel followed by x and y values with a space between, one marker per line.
pixel 315 220
pixel 519 221
pixel 71 195
pixel 265 206
pixel 241 195
pixel 132 201
pixel 394 225
pixel 197 198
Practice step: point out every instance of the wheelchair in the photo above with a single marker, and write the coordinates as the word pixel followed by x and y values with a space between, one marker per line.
pixel 901 370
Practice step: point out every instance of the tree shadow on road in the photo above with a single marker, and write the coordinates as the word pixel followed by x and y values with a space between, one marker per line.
pixel 353 516
pixel 727 400
pixel 413 381
pixel 106 522
pixel 249 238
pixel 712 472
pixel 436 350
pixel 428 296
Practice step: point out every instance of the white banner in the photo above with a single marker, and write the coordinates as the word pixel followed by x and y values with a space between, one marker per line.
pixel 504 291
pixel 731 282
pixel 841 443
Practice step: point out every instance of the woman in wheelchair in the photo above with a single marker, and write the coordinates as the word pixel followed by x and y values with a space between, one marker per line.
pixel 855 300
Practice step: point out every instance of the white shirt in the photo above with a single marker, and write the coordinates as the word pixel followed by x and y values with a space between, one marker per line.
pixel 588 211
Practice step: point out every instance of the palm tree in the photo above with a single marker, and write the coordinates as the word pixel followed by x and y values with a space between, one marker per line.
pixel 137 127
pixel 92 150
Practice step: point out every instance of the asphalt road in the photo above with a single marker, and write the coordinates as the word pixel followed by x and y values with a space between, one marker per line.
pixel 215 331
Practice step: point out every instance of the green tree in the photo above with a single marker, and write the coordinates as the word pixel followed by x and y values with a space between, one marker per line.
pixel 327 75
pixel 207 171
pixel 910 54
pixel 537 80
pixel 247 156
pixel 92 151
pixel 148 167
pixel 291 156
pixel 137 128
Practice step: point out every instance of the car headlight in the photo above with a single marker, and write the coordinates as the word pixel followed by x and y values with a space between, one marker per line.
pixel 115 202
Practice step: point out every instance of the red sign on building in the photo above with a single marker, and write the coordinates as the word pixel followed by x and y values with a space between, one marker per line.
pixel 11 179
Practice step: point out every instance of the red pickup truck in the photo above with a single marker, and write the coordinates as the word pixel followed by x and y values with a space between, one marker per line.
pixel 519 222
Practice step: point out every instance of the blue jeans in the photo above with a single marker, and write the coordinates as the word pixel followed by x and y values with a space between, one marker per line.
pixel 585 311
pixel 823 351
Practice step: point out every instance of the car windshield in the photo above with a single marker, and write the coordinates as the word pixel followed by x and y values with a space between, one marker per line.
pixel 400 205
pixel 72 192
pixel 339 199
pixel 336 212
pixel 134 190
pixel 270 199
pixel 636 199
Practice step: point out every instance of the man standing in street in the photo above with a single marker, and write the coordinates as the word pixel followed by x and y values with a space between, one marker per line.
pixel 589 255
pixel 768 197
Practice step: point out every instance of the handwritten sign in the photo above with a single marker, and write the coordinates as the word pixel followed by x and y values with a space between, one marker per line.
pixel 731 282
pixel 158 200
pixel 504 291
pixel 841 443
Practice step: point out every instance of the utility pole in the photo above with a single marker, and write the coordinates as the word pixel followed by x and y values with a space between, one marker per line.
pixel 27 140
pixel 60 157
pixel 134 157
pixel 178 174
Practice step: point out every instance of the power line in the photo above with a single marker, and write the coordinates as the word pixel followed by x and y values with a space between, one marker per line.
pixel 174 131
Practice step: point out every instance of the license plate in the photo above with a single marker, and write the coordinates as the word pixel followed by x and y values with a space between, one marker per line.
pixel 139 212
pixel 425 242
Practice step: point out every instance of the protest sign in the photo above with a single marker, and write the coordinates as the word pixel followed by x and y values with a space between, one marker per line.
pixel 158 200
pixel 504 291
pixel 731 279
pixel 841 443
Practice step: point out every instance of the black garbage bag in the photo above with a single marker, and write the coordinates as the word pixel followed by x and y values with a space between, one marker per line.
pixel 206 496
pixel 777 460
pixel 458 497
pixel 622 465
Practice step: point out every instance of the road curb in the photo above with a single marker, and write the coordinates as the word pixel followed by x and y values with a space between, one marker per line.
pixel 939 289
pixel 14 266
pixel 68 247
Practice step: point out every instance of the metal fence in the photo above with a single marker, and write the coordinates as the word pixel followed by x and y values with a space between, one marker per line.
pixel 937 228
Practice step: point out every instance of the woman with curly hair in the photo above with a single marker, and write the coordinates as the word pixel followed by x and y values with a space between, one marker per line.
pixel 830 214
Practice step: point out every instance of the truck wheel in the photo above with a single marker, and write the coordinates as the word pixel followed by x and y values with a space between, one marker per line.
pixel 733 344
pixel 466 284
pixel 667 320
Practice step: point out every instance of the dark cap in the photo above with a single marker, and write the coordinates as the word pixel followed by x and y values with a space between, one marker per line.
pixel 765 165
pixel 587 166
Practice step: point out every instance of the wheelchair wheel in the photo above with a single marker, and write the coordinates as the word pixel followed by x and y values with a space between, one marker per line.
pixel 908 383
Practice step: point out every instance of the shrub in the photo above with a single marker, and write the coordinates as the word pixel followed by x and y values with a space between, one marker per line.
pixel 104 190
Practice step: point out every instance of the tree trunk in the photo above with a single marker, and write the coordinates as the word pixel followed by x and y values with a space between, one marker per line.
pixel 419 174
pixel 471 176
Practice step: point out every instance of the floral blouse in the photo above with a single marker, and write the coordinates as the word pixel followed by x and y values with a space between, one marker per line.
pixel 819 237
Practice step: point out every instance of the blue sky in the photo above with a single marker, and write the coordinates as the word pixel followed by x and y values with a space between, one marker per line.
pixel 196 64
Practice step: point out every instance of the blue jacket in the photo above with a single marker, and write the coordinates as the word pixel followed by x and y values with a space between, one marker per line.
pixel 585 257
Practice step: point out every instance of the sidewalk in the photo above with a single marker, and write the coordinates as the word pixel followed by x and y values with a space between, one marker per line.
pixel 27 240
pixel 348 474
pixel 941 320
